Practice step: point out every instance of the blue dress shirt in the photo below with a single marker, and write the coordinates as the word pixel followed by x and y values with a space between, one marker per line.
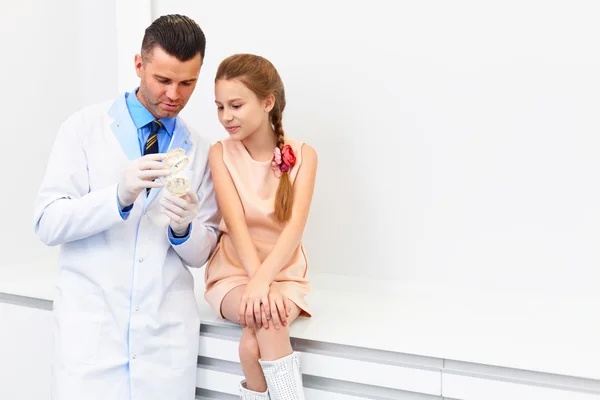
pixel 141 119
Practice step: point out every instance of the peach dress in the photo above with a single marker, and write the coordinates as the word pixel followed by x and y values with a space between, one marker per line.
pixel 256 186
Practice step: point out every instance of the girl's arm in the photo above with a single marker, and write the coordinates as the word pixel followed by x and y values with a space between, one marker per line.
pixel 291 235
pixel 232 211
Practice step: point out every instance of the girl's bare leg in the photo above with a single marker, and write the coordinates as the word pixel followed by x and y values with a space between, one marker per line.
pixel 248 349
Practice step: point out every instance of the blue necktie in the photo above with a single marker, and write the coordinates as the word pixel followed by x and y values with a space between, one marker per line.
pixel 152 142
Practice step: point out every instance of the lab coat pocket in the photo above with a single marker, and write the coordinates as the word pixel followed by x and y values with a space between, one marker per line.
pixel 80 319
pixel 184 328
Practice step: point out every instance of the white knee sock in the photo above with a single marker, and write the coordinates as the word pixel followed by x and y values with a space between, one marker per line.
pixel 284 378
pixel 250 395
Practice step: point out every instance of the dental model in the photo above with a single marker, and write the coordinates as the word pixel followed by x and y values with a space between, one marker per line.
pixel 176 161
pixel 178 185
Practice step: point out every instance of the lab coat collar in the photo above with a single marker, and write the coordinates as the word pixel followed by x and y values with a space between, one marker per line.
pixel 126 133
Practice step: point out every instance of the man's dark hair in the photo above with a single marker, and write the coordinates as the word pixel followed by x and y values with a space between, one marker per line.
pixel 178 35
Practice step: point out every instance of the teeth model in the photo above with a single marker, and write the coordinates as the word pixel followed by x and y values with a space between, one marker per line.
pixel 178 185
pixel 176 161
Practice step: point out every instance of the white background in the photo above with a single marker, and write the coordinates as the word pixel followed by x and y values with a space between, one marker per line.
pixel 457 140
pixel 458 144
pixel 56 58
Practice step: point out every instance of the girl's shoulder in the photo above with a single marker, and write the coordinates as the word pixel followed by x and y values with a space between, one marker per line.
pixel 226 146
pixel 225 143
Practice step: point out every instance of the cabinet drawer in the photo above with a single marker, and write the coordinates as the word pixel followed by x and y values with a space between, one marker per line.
pixel 406 378
pixel 475 388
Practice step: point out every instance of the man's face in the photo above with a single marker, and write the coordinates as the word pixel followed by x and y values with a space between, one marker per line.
pixel 166 83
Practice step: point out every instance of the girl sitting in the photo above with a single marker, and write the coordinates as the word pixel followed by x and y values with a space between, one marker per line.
pixel 264 184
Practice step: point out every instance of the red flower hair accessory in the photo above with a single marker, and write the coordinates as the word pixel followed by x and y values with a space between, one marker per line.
pixel 283 160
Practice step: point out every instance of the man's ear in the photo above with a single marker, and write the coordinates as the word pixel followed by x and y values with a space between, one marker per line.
pixel 269 103
pixel 139 65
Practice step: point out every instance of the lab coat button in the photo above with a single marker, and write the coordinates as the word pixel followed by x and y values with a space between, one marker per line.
pixel 133 356
pixel 141 260
pixel 137 309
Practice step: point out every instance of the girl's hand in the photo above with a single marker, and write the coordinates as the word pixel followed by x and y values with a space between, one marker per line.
pixel 251 314
pixel 280 306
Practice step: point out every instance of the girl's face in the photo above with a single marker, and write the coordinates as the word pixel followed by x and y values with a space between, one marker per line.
pixel 240 111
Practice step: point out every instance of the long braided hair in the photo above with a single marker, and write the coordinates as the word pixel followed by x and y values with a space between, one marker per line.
pixel 262 78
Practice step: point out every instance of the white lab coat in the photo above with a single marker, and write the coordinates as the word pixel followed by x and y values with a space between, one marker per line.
pixel 126 318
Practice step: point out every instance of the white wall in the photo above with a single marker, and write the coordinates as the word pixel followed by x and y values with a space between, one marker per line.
pixel 57 57
pixel 458 140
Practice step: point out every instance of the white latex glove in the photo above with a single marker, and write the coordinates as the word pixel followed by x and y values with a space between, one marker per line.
pixel 181 210
pixel 139 175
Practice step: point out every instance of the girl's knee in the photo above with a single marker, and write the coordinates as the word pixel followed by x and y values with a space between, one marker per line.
pixel 249 350
pixel 273 335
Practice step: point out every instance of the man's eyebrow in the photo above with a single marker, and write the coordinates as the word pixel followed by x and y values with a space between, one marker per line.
pixel 168 79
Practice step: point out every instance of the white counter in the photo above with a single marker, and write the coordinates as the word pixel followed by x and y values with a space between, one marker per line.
pixel 35 281
pixel 544 333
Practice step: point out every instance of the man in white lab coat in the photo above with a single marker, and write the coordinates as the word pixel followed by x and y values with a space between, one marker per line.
pixel 126 319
